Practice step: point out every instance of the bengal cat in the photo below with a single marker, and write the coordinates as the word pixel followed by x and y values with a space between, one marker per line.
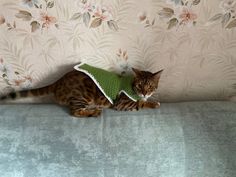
pixel 78 91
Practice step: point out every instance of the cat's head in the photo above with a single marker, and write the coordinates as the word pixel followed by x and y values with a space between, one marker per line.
pixel 145 83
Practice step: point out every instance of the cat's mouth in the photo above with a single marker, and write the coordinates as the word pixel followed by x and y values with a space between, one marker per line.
pixel 144 97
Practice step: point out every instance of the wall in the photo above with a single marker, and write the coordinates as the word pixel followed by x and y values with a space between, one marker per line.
pixel 194 41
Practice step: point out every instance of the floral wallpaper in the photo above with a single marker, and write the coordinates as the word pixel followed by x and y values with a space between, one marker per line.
pixel 194 41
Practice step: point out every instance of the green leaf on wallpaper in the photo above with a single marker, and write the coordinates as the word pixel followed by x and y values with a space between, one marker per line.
pixel 36 6
pixel 50 4
pixel 113 25
pixel 17 73
pixel 196 2
pixel 96 22
pixel 216 17
pixel 57 26
pixel 232 24
pixel 172 23
pixel 153 21
pixel 166 12
pixel 225 19
pixel 24 15
pixel 4 75
pixel 34 26
pixel 8 25
pixel 86 18
pixel 76 16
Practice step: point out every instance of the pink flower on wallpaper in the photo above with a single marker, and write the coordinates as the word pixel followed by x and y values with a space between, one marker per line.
pixel 29 3
pixel 228 5
pixel 14 78
pixel 187 16
pixel 2 19
pixel 121 63
pixel 5 67
pixel 47 20
pixel 85 7
pixel 24 81
pixel 18 80
pixel 2 67
pixel 94 15
pixel 142 16
pixel 102 13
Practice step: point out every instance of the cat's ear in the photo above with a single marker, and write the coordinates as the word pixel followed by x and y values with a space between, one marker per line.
pixel 157 75
pixel 136 71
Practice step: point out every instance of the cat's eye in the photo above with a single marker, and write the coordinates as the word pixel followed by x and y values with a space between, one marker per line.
pixel 151 87
pixel 139 85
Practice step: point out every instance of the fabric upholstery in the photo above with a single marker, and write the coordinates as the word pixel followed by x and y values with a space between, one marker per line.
pixel 178 140
pixel 194 41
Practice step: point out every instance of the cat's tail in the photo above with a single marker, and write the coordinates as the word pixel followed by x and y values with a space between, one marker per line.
pixel 29 93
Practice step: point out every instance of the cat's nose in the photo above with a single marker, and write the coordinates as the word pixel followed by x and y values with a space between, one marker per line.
pixel 141 95
pixel 144 94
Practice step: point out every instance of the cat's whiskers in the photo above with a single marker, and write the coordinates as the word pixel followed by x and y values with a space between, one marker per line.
pixel 145 97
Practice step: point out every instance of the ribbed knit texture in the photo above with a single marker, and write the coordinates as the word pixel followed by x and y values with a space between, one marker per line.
pixel 111 84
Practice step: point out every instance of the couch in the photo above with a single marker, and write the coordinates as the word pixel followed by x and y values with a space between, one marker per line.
pixel 192 139
pixel 194 41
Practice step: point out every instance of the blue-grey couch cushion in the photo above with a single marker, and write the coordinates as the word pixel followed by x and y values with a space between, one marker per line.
pixel 196 139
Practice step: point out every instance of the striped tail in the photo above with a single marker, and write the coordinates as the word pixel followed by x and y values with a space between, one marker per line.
pixel 29 93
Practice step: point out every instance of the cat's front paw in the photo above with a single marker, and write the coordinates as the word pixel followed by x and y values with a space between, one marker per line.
pixel 158 104
pixel 149 104
pixel 155 104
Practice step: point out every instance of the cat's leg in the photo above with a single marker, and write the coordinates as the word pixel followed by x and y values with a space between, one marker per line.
pixel 80 108
pixel 131 105
pixel 83 112
pixel 123 103
pixel 148 104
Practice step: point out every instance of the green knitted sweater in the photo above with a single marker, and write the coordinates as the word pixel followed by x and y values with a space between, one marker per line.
pixel 110 84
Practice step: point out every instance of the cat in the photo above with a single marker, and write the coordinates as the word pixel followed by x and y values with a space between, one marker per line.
pixel 84 99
